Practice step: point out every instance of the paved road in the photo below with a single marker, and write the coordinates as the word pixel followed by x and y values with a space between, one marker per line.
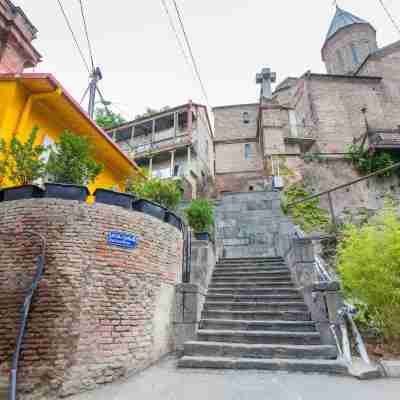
pixel 164 382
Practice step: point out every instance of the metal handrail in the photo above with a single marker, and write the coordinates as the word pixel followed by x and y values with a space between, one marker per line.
pixel 12 394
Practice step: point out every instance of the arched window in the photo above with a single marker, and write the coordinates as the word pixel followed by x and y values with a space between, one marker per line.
pixel 354 53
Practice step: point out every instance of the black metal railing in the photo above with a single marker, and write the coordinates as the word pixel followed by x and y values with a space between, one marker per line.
pixel 329 192
pixel 12 394
pixel 187 254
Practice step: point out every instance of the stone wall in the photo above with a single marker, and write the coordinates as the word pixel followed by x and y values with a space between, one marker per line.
pixel 100 312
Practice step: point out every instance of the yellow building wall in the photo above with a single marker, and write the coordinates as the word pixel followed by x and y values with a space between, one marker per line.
pixel 13 100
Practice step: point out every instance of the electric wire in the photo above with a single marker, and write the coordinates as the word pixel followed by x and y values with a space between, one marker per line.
pixel 73 35
pixel 389 14
pixel 189 46
pixel 87 33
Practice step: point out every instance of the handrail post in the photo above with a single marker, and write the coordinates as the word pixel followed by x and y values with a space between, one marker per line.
pixel 332 211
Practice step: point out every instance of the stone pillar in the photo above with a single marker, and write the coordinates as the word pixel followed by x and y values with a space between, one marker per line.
pixel 172 162
pixel 189 158
pixel 304 267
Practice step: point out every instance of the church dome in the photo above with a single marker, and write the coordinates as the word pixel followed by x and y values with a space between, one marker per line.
pixel 350 39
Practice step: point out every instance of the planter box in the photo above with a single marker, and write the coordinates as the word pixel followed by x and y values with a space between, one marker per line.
pixel 1 195
pixel 114 198
pixel 150 208
pixel 22 192
pixel 173 220
pixel 66 191
pixel 202 236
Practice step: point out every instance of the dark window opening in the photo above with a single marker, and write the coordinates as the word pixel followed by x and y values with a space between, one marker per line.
pixel 164 123
pixel 123 134
pixel 251 188
pixel 246 117
pixel 247 151
pixel 146 128
pixel 177 169
pixel 183 120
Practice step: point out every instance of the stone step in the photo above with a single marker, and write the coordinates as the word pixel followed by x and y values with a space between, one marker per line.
pixel 253 274
pixel 261 306
pixel 251 285
pixel 250 259
pixel 237 265
pixel 250 269
pixel 250 279
pixel 248 325
pixel 257 298
pixel 334 367
pixel 284 290
pixel 259 351
pixel 265 337
pixel 3 387
pixel 257 315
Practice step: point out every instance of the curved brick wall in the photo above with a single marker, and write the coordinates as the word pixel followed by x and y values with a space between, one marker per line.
pixel 100 311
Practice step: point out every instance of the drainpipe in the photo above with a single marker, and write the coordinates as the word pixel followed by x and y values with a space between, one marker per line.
pixel 28 106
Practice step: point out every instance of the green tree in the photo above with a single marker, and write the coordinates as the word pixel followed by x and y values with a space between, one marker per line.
pixel 369 265
pixel 71 160
pixel 151 111
pixel 108 119
pixel 3 160
pixel 166 192
pixel 200 215
pixel 25 164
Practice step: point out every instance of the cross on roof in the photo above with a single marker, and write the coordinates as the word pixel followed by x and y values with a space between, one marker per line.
pixel 265 78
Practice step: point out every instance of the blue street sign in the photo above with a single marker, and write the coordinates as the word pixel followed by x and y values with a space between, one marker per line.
pixel 122 239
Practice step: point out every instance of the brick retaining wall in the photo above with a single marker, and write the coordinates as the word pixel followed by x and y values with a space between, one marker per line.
pixel 100 311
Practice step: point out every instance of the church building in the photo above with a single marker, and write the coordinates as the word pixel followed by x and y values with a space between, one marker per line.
pixel 314 115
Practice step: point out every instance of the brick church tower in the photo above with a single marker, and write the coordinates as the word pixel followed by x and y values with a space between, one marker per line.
pixel 16 36
pixel 350 40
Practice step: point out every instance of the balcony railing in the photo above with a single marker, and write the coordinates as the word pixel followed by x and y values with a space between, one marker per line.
pixel 385 139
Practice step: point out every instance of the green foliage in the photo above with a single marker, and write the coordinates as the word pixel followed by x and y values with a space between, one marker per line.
pixel 200 215
pixel 151 111
pixel 369 264
pixel 24 163
pixel 3 160
pixel 307 215
pixel 108 119
pixel 166 192
pixel 310 157
pixel 367 162
pixel 71 161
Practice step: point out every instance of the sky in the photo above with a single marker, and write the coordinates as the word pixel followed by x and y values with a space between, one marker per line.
pixel 232 40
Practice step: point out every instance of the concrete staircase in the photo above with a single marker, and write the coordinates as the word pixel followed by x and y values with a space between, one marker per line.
pixel 3 387
pixel 254 318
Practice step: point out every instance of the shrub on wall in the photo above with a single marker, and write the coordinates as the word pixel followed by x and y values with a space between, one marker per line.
pixel 166 192
pixel 369 264
pixel 200 215
pixel 3 161
pixel 71 161
pixel 308 215
pixel 22 162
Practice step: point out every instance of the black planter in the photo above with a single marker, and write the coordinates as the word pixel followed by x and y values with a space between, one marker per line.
pixel 150 208
pixel 22 192
pixel 1 196
pixel 202 236
pixel 114 198
pixel 173 220
pixel 66 191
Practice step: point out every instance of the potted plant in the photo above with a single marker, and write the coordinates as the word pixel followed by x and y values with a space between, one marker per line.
pixel 200 217
pixel 70 167
pixel 115 198
pixel 156 196
pixel 22 163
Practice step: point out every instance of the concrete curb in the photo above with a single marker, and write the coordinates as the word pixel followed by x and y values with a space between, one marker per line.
pixel 391 368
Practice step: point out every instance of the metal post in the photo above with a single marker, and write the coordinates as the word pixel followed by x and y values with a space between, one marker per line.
pixel 95 78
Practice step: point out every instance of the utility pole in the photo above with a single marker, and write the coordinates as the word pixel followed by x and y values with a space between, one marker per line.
pixel 94 79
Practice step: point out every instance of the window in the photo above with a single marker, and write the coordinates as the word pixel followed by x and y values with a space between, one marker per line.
pixel 354 53
pixel 123 135
pixel 293 123
pixel 246 118
pixel 247 151
pixel 164 123
pixel 177 169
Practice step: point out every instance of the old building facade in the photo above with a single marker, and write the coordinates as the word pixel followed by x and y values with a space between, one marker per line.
pixel 175 143
pixel 16 36
pixel 315 114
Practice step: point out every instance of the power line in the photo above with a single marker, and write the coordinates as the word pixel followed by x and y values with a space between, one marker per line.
pixel 87 34
pixel 191 52
pixel 396 25
pixel 73 35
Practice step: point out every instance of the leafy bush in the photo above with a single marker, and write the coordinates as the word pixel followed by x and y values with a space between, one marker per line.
pixel 24 164
pixel 165 192
pixel 308 215
pixel 3 161
pixel 108 119
pixel 71 161
pixel 369 264
pixel 200 215
pixel 367 162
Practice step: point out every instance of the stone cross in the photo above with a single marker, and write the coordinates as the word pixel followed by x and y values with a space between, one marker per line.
pixel 265 78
